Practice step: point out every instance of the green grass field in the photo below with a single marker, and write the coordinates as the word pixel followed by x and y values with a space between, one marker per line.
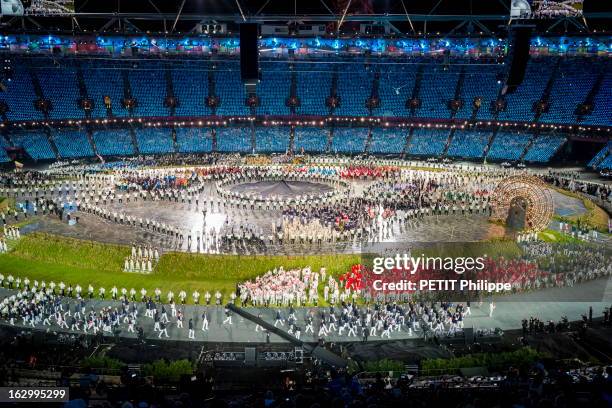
pixel 48 257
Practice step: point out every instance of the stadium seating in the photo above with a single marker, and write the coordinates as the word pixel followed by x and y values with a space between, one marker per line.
pixel 154 140
pixel 437 88
pixel 428 142
pixel 313 87
pixel 388 141
pixel 234 139
pixel 468 144
pixel 349 140
pixel 61 88
pixel 230 90
pixel 520 103
pixel 310 140
pixel 149 89
pixel 570 88
pixel 601 155
pixel 148 82
pixel 395 89
pixel 602 108
pixel 72 143
pixel 3 155
pixel 191 89
pixel 116 142
pixel 543 148
pixel 354 88
pixel 35 144
pixel 480 81
pixel 20 97
pixel 606 164
pixel 104 82
pixel 193 140
pixel 274 89
pixel 272 139
pixel 508 145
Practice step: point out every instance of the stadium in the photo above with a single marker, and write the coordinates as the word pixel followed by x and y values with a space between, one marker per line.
pixel 305 204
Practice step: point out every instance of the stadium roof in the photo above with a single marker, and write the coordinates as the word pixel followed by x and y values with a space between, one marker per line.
pixel 400 17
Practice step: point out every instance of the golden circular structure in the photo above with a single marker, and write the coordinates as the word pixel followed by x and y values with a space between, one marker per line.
pixel 532 193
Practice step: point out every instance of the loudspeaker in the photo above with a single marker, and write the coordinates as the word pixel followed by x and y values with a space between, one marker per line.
pixel 519 55
pixel 249 54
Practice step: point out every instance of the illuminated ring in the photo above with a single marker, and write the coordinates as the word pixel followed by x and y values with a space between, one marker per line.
pixel 535 194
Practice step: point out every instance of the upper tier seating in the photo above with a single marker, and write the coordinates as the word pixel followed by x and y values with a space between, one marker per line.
pixel 191 89
pixel 274 89
pixel 437 88
pixel 149 89
pixel 354 88
pixel 520 103
pixel 602 108
pixel 106 81
pixel 230 90
pixel 313 87
pixel 396 83
pixel 60 87
pixel 20 97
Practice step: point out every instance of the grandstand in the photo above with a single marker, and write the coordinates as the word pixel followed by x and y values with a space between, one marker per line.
pixel 543 148
pixel 35 143
pixel 387 141
pixel 508 145
pixel 427 142
pixel 310 140
pixel 234 140
pixel 272 139
pixel 188 189
pixel 349 140
pixel 72 144
pixel 475 87
pixel 116 142
pixel 154 140
pixel 194 140
pixel 467 144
